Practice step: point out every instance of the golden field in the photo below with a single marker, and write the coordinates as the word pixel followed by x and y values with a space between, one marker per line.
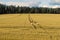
pixel 18 27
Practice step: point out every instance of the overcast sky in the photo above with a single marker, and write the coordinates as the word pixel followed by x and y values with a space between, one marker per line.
pixel 34 3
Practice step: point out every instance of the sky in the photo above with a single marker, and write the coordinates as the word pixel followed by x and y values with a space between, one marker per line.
pixel 33 3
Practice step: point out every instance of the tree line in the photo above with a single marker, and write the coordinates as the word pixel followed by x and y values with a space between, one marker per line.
pixel 4 9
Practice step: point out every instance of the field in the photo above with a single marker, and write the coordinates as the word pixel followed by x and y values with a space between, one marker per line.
pixel 30 27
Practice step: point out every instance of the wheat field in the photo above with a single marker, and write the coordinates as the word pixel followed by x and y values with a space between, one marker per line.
pixel 30 27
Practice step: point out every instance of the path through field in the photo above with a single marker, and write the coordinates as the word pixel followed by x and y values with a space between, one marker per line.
pixel 30 27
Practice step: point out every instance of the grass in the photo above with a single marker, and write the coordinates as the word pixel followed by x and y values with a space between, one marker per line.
pixel 18 27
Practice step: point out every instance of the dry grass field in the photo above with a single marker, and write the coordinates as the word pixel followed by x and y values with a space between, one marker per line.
pixel 30 27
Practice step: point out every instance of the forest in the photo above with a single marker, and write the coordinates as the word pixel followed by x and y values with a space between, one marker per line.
pixel 5 9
